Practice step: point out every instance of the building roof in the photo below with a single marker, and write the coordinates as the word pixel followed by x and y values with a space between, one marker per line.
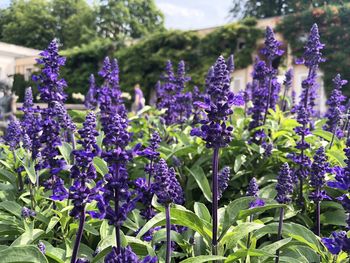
pixel 17 51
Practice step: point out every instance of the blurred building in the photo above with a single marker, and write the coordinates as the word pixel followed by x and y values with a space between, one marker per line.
pixel 241 77
pixel 16 60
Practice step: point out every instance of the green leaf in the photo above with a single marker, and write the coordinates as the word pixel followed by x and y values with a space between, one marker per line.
pixel 295 231
pixel 202 181
pixel 21 254
pixel 191 220
pixel 272 248
pixel 242 253
pixel 239 232
pixel 7 176
pixel 325 135
pixel 260 209
pixel 201 259
pixel 29 167
pixel 28 237
pixel 337 156
pixel 57 254
pixel 240 159
pixel 53 221
pixel 66 150
pixel 11 207
pixel 101 166
pixel 140 247
pixel 156 220
pixel 160 235
pixel 202 211
pixel 232 211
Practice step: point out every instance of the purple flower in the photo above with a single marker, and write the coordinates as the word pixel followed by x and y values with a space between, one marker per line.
pixel 42 247
pixel 166 186
pixel 82 260
pixel 319 168
pixel 253 190
pixel 31 124
pixel 284 185
pixel 26 212
pixel 217 106
pixel 336 242
pixel 83 171
pixel 272 46
pixel 224 176
pixel 126 255
pixel 171 95
pixel 50 86
pixel 336 107
pixel 287 85
pixel 13 134
pixel 90 98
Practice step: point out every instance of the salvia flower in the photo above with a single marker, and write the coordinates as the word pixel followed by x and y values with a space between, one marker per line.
pixel 338 242
pixel 126 255
pixel 284 185
pixel 319 168
pixel 13 134
pixel 26 212
pixel 171 95
pixel 42 247
pixel 166 186
pixel 50 85
pixel 253 190
pixel 217 106
pixel 336 107
pixel 31 124
pixel 90 98
pixel 83 171
pixel 272 46
pixel 224 176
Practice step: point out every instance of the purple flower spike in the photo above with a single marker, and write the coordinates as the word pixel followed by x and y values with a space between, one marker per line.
pixel 13 134
pixel 171 95
pixel 224 176
pixel 90 98
pixel 166 186
pixel 253 190
pixel 319 168
pixel 336 107
pixel 284 185
pixel 272 46
pixel 336 242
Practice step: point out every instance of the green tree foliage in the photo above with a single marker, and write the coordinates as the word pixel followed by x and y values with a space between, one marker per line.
pixel 144 62
pixel 28 23
pixel 75 22
pixel 34 23
pixel 334 26
pixel 83 61
pixel 263 8
pixel 117 19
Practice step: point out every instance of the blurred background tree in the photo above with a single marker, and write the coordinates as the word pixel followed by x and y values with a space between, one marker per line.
pixel 34 23
pixel 270 8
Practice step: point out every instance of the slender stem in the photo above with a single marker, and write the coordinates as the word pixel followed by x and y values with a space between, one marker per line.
pixel 333 136
pixel 269 93
pixel 215 201
pixel 19 176
pixel 284 101
pixel 251 217
pixel 301 198
pixel 79 236
pixel 168 237
pixel 150 173
pixel 279 233
pixel 117 227
pixel 318 221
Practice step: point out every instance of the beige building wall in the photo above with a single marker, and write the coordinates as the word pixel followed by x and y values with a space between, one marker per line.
pixel 26 66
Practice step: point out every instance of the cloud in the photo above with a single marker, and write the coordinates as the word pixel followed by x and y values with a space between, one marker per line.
pixel 172 10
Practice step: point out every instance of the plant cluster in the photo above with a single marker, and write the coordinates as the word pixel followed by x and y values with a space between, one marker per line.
pixel 135 187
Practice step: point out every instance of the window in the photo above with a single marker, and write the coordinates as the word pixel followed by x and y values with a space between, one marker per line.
pixel 28 73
